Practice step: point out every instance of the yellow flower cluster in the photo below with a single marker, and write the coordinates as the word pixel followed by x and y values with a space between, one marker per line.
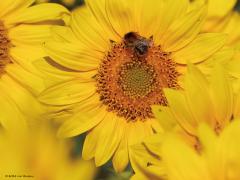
pixel 154 86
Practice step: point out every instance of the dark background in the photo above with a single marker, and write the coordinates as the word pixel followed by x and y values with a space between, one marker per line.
pixel 238 5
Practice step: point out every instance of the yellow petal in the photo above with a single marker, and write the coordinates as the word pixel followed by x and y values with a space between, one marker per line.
pixel 207 138
pixel 180 110
pixel 231 27
pixel 222 95
pixel 216 24
pixel 144 15
pixel 184 158
pixel 22 98
pixel 200 49
pixel 164 117
pixel 233 67
pixel 53 73
pixel 38 13
pixel 223 56
pixel 120 14
pixel 12 6
pixel 120 158
pixel 155 172
pixel 32 81
pixel 227 155
pixel 72 91
pixel 156 126
pixel 88 30
pixel 172 11
pixel 198 96
pixel 140 157
pixel 98 9
pixel 62 34
pixel 23 69
pixel 237 106
pixel 82 122
pixel 138 131
pixel 74 56
pixel 109 139
pixel 90 142
pixel 183 31
pixel 230 146
pixel 139 176
pixel 220 7
pixel 153 145
pixel 29 34
pixel 25 55
pixel 11 117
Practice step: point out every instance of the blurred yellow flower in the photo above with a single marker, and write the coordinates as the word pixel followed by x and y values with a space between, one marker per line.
pixel 23 29
pixel 203 101
pixel 222 18
pixel 39 155
pixel 115 58
pixel 219 158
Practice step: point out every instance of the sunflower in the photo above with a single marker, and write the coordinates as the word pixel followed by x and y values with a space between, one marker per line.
pixel 23 29
pixel 39 155
pixel 115 58
pixel 203 101
pixel 219 158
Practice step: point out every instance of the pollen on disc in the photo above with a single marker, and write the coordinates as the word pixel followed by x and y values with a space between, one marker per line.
pixel 137 79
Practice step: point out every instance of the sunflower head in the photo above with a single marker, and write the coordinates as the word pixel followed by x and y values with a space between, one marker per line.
pixel 132 75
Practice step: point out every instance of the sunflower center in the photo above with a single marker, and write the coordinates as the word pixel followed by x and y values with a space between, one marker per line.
pixel 136 79
pixel 4 47
pixel 132 75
